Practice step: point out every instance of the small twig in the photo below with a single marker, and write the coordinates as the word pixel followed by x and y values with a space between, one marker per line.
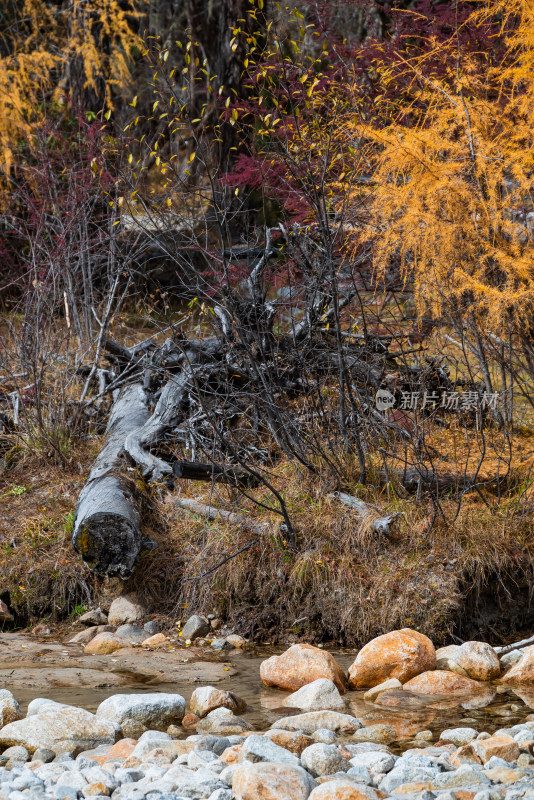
pixel 221 563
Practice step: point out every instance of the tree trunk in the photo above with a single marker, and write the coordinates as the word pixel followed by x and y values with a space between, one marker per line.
pixel 107 524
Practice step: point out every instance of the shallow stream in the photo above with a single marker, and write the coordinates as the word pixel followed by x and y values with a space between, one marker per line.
pixel 63 673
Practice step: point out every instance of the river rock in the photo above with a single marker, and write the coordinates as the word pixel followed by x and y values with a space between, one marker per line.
pixel 386 686
pixel 271 782
pixel 125 609
pixel 151 627
pixel 523 671
pixel 439 682
pixel 314 720
pixel 376 761
pixel 444 657
pixel 343 789
pixel 93 618
pixel 60 728
pixel 235 640
pixel 377 734
pixel 133 634
pixel 323 759
pixel 316 696
pixel 400 654
pixel 261 748
pixel 478 660
pixel 9 708
pixel 104 644
pixel 459 736
pixel 511 658
pixel 156 640
pixel 87 635
pixel 293 741
pixel 501 746
pixel 195 627
pixel 207 698
pixel 136 713
pixel 299 665
pixel 222 722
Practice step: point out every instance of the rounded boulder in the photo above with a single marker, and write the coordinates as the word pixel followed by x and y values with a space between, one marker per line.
pixel 299 665
pixel 400 654
pixel 137 713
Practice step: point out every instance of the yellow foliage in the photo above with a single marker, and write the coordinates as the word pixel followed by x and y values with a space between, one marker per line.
pixel 453 187
pixel 52 50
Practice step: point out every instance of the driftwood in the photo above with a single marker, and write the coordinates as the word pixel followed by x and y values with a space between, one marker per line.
pixel 440 482
pixel 380 525
pixel 501 651
pixel 107 523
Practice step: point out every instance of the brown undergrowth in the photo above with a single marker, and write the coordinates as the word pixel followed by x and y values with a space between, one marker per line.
pixel 468 574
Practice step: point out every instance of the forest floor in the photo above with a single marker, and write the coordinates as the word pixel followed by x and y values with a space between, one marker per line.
pixel 470 577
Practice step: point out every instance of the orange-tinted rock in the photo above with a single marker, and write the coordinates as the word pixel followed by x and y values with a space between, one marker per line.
pixel 502 746
pixel 523 671
pixel 416 786
pixel 122 749
pixel 105 643
pixel 157 640
pixel 464 755
pixel 264 781
pixel 231 754
pixel 291 740
pixel 464 794
pixel 299 665
pixel 400 654
pixel 438 682
pixel 190 721
pixel 342 789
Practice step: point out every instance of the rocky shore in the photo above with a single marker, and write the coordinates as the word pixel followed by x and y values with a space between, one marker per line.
pixel 335 735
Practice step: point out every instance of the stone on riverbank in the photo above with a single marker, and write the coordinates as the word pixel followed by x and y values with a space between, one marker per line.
pixel 156 640
pixel 87 635
pixel 478 660
pixel 299 665
pixel 208 698
pixel 323 759
pixel 195 627
pixel 400 654
pixel 523 671
pixel 314 720
pixel 125 609
pixel 441 682
pixel 294 741
pixel 503 746
pixel 93 618
pixel 9 708
pixel 316 696
pixel 343 789
pixel 105 643
pixel 136 713
pixel 134 634
pixel 221 722
pixel 63 729
pixel 271 782
pixel 377 734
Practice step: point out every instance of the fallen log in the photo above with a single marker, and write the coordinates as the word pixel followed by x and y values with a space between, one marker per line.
pixel 107 524
pixel 380 525
pixel 502 651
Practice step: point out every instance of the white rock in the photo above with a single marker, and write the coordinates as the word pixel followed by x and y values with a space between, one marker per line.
pixel 318 695
pixel 61 729
pixel 323 759
pixel 313 720
pixel 221 722
pixel 125 609
pixel 510 659
pixel 375 761
pixel 9 708
pixel 264 781
pixel 459 736
pixel 136 713
pixel 261 748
